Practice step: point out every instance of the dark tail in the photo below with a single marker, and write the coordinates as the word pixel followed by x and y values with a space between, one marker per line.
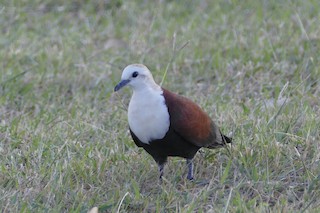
pixel 226 139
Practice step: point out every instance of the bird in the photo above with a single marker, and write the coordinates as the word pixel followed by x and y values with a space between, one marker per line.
pixel 166 124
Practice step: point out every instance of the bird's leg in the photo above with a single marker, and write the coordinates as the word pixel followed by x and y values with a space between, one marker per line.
pixel 190 169
pixel 161 167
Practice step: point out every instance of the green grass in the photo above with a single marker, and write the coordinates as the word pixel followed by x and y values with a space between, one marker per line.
pixel 252 65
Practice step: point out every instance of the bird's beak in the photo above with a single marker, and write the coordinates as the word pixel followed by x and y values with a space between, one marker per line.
pixel 121 84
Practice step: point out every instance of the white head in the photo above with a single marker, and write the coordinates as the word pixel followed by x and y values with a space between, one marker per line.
pixel 148 114
pixel 137 76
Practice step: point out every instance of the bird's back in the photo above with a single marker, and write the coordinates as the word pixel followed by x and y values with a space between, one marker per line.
pixel 192 123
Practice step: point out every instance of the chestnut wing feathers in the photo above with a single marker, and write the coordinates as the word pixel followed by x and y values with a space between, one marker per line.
pixel 191 122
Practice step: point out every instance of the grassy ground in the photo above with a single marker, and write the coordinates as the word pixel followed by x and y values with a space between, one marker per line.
pixel 252 65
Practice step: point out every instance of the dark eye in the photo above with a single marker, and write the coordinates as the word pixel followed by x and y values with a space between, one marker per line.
pixel 134 74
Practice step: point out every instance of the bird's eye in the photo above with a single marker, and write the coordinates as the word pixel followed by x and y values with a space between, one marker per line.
pixel 134 74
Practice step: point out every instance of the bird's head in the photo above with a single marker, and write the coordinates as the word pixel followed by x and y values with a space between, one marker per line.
pixel 137 76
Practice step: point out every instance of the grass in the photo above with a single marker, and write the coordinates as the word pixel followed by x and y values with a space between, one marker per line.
pixel 252 65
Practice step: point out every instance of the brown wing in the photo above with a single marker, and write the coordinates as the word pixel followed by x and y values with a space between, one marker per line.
pixel 191 122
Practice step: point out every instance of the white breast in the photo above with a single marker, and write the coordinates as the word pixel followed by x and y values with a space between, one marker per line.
pixel 148 115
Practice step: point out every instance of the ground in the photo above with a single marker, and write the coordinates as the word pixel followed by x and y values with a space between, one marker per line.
pixel 252 65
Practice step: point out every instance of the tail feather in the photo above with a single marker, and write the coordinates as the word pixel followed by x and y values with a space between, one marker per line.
pixel 226 139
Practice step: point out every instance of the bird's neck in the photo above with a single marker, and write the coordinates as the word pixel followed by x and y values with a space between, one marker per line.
pixel 146 95
pixel 149 88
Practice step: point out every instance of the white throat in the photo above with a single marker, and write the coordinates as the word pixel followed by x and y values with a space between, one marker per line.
pixel 148 114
